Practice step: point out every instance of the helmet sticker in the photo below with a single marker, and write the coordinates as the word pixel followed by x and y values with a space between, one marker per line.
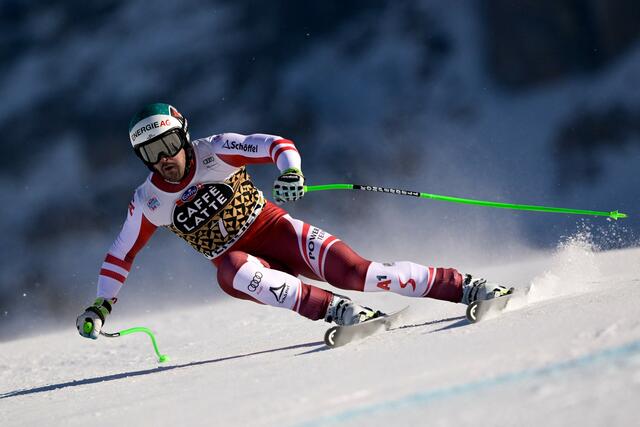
pixel 151 127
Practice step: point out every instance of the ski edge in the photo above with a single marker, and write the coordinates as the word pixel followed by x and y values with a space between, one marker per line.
pixel 381 323
pixel 478 310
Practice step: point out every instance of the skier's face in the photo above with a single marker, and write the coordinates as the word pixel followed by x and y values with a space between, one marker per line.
pixel 172 168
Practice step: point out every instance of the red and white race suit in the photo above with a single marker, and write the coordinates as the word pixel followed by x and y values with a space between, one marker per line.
pixel 257 247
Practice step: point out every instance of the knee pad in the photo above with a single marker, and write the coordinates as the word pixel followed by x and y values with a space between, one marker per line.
pixel 271 287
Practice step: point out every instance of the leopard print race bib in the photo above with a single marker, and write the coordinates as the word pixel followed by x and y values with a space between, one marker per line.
pixel 212 216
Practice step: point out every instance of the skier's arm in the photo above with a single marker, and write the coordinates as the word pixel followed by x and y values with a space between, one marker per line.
pixel 135 233
pixel 239 150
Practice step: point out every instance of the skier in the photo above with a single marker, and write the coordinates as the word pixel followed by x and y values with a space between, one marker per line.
pixel 200 190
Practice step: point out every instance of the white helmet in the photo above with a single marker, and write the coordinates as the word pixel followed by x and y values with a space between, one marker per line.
pixel 156 131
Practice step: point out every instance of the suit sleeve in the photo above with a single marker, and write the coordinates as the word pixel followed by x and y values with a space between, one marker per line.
pixel 135 233
pixel 239 150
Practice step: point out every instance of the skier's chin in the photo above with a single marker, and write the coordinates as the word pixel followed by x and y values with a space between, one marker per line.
pixel 171 173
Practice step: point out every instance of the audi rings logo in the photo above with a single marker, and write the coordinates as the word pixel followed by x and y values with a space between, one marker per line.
pixel 255 282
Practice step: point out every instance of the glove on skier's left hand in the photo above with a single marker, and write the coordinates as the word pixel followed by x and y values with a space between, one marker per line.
pixel 289 186
pixel 96 316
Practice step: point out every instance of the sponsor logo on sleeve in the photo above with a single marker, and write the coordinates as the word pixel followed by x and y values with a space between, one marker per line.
pixel 240 146
pixel 153 203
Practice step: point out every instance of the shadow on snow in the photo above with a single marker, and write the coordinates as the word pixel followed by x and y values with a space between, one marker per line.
pixel 461 321
pixel 123 375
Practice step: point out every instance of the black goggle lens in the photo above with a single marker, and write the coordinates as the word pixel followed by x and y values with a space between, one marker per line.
pixel 167 145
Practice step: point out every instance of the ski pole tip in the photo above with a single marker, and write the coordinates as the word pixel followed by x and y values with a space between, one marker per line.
pixel 163 358
pixel 617 215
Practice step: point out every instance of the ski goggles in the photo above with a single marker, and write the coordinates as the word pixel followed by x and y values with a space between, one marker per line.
pixel 166 145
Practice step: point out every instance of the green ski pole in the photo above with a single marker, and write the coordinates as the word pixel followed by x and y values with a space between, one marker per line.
pixel 88 326
pixel 612 214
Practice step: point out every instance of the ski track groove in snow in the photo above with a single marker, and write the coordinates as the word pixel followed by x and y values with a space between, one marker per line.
pixel 429 396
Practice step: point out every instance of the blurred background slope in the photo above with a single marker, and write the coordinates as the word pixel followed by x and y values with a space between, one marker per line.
pixel 521 101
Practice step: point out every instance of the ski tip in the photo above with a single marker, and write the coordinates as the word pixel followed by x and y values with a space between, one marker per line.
pixel 472 312
pixel 329 336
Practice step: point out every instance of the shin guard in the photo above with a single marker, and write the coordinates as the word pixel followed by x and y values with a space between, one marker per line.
pixel 414 280
pixel 402 277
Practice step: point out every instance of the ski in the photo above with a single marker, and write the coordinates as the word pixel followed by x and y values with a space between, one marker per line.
pixel 337 336
pixel 480 310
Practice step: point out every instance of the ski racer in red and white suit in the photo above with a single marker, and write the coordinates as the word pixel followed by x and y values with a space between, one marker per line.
pixel 260 251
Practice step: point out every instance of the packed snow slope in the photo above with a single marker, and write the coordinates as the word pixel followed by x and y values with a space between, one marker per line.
pixel 571 356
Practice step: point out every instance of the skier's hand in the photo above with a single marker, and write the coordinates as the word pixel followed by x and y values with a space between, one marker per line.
pixel 289 186
pixel 91 321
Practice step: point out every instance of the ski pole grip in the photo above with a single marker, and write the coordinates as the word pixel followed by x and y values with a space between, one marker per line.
pixel 87 327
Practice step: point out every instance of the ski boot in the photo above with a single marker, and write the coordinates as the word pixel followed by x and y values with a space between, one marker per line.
pixel 478 289
pixel 345 312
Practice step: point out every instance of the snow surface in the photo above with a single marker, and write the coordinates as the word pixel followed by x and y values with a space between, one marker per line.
pixel 570 357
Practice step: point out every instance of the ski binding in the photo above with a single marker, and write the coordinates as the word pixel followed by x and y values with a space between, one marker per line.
pixel 337 336
pixel 479 310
